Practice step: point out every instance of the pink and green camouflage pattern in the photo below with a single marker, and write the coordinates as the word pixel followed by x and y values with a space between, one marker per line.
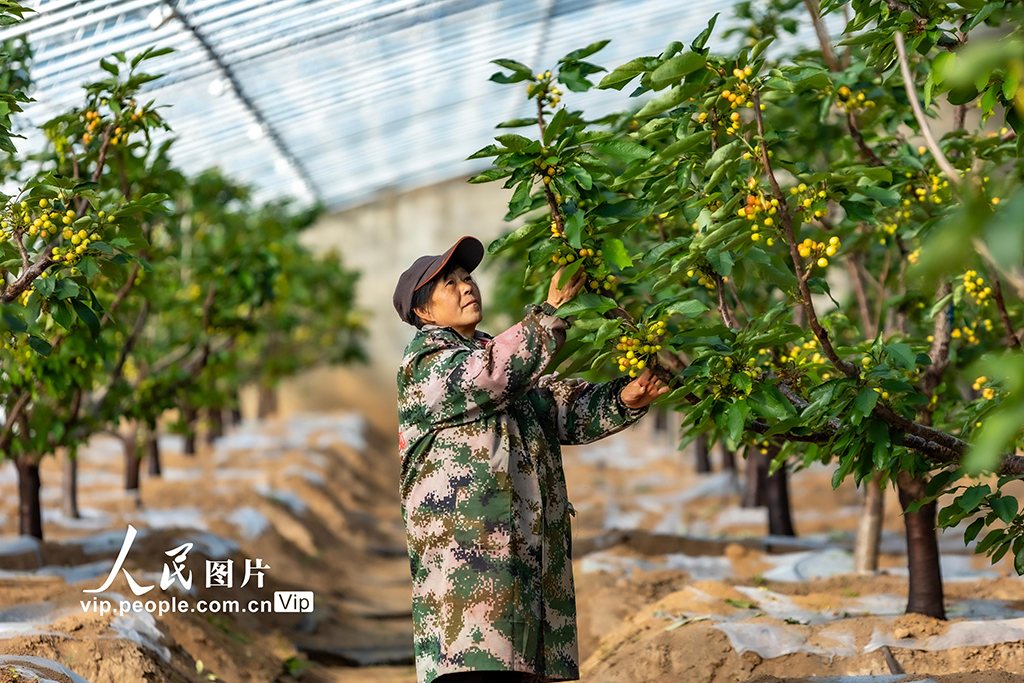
pixel 484 499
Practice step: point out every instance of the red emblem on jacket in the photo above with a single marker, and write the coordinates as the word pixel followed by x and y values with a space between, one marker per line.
pixel 401 440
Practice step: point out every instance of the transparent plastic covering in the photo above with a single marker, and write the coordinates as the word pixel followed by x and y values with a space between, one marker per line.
pixel 338 100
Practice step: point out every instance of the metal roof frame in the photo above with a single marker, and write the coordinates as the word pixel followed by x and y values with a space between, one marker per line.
pixel 333 100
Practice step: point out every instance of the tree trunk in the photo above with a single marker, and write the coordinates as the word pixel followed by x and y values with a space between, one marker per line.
pixel 660 420
pixel 30 520
pixel 757 479
pixel 236 408
pixel 728 459
pixel 190 430
pixel 153 453
pixel 131 463
pixel 215 422
pixel 925 590
pixel 703 461
pixel 70 485
pixel 267 402
pixel 869 533
pixel 780 518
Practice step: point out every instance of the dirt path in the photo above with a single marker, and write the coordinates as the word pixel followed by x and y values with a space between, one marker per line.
pixel 673 578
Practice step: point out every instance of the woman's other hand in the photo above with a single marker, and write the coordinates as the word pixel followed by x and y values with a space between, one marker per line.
pixel 558 296
pixel 642 390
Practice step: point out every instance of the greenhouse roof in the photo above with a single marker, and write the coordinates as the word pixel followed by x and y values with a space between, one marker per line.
pixel 339 100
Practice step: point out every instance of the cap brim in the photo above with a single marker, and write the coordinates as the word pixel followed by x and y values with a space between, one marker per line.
pixel 467 252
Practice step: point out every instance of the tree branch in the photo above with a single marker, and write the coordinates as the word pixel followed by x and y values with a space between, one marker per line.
pixel 851 124
pixel 819 28
pixel 723 307
pixel 944 449
pixel 939 353
pixel 661 228
pixel 900 7
pixel 855 267
pixel 915 104
pixel 12 417
pixel 997 294
pixel 1015 278
pixel 787 228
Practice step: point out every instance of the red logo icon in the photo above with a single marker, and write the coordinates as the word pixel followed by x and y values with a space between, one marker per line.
pixel 401 440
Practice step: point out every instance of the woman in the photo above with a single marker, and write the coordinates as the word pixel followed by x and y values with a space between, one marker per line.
pixel 483 493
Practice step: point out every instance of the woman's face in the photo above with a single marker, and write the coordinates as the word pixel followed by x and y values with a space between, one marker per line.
pixel 455 302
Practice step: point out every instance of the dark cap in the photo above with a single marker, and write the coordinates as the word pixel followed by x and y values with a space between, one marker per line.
pixel 467 252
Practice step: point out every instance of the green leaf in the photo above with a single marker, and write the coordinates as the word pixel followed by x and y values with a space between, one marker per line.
pixel 667 100
pixel 721 261
pixel 86 315
pixel 499 77
pixel 616 253
pixel 45 286
pixel 514 142
pixel 581 176
pixel 491 174
pixel 628 208
pixel 884 196
pixel 771 403
pixel 622 75
pixel 1006 508
pixel 736 417
pixel 689 308
pixel 12 320
pixel 942 65
pixel 698 43
pixel 40 346
pixel 111 68
pixel 742 382
pixel 524 232
pixel 585 52
pixel 761 46
pixel 685 144
pixel 587 301
pixel 569 271
pixel 61 313
pixel 555 126
pixel 972 497
pixel 865 401
pixel 902 354
pixel 721 155
pixel 991 538
pixel 973 529
pixel 622 150
pixel 677 67
pixel 488 151
pixel 517 123
pixel 574 229
pixel 521 197
pixel 1011 84
pixel 515 67
pixel 66 288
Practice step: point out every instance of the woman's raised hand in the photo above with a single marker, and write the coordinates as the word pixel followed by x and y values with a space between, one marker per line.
pixel 558 296
pixel 642 390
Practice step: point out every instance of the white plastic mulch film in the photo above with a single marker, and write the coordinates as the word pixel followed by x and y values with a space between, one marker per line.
pixel 336 100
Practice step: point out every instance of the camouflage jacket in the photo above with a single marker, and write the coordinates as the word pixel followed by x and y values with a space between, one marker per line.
pixel 484 500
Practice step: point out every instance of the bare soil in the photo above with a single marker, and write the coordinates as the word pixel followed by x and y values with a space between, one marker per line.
pixel 666 561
